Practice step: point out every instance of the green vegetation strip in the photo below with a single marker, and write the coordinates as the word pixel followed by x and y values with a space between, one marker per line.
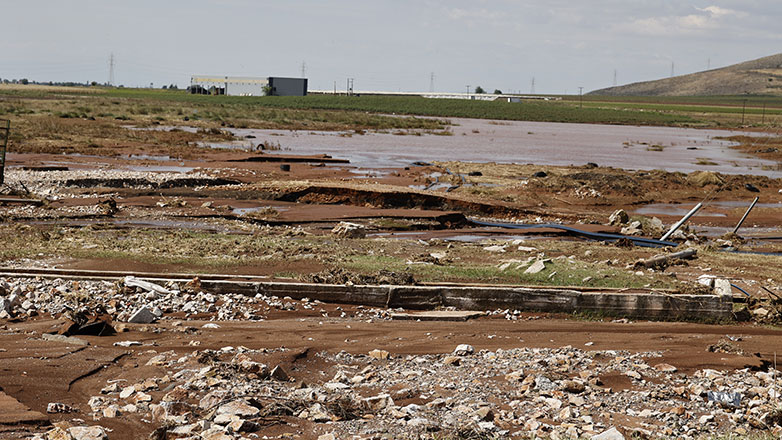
pixel 225 107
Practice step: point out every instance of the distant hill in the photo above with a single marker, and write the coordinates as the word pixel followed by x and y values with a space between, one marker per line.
pixel 762 76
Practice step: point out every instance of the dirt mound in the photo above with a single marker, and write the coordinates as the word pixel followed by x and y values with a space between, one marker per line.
pixel 762 76
pixel 343 276
pixel 703 178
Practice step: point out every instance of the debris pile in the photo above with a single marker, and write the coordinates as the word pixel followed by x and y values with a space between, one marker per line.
pixel 550 393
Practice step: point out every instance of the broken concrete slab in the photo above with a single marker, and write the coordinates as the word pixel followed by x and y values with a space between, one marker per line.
pixel 66 339
pixel 143 316
pixel 438 315
pixel 536 267
pixel 130 281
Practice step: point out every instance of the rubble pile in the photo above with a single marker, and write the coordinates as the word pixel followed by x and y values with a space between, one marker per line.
pixel 52 185
pixel 551 393
pixel 141 302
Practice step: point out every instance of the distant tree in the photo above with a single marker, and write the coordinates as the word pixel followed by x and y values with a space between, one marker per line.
pixel 94 83
pixel 497 92
pixel 267 90
pixel 24 81
pixel 173 87
pixel 479 89
pixel 165 87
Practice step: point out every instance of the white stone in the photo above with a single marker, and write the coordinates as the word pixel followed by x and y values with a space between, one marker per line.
pixel 127 392
pixel 335 386
pixel 536 267
pixel 87 433
pixel 611 434
pixel 238 408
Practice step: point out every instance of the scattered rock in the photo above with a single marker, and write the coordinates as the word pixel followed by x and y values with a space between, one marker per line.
pixel 464 350
pixel 665 368
pixel 452 360
pixel 536 267
pixel 88 433
pixel 279 373
pixel 573 386
pixel 238 408
pixel 378 354
pixel 349 230
pixel 142 316
pixel 610 434
pixel 618 217
pixel 57 407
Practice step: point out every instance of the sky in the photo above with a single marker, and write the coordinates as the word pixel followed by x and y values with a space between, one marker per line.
pixel 388 45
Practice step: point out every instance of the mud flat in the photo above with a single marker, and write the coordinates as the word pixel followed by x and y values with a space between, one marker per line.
pixel 543 143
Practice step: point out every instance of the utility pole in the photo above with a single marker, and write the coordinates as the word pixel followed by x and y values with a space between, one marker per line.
pixel 111 69
pixel 614 77
pixel 532 88
pixel 431 82
pixel 743 110
pixel 671 69
pixel 303 69
pixel 335 87
pixel 580 97
pixel 468 89
pixel 708 64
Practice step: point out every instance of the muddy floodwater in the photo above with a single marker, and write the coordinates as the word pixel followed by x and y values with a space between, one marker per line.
pixel 544 143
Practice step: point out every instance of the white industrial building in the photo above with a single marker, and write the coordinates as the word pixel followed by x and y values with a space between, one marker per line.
pixel 247 86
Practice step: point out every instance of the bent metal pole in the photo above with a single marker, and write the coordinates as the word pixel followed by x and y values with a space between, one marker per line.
pixel 736 229
pixel 681 222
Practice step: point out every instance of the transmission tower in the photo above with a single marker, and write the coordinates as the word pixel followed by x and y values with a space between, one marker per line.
pixel 111 69
pixel 431 82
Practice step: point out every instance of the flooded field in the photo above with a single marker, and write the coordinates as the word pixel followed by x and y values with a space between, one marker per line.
pixel 544 143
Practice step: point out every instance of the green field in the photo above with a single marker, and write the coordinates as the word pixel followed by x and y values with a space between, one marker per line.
pixel 367 112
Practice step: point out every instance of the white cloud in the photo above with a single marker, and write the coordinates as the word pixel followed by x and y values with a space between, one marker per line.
pixel 708 18
pixel 718 12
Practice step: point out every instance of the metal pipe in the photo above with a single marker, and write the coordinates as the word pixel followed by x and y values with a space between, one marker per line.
pixel 681 222
pixel 736 229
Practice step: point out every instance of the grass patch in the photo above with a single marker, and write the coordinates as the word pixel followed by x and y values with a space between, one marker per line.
pixel 560 272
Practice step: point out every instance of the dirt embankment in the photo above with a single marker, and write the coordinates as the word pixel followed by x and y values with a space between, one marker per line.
pixel 757 77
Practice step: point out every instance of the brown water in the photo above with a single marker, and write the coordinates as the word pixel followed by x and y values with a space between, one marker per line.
pixel 544 143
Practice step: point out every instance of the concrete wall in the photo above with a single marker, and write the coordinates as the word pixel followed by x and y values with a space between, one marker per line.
pixel 652 306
